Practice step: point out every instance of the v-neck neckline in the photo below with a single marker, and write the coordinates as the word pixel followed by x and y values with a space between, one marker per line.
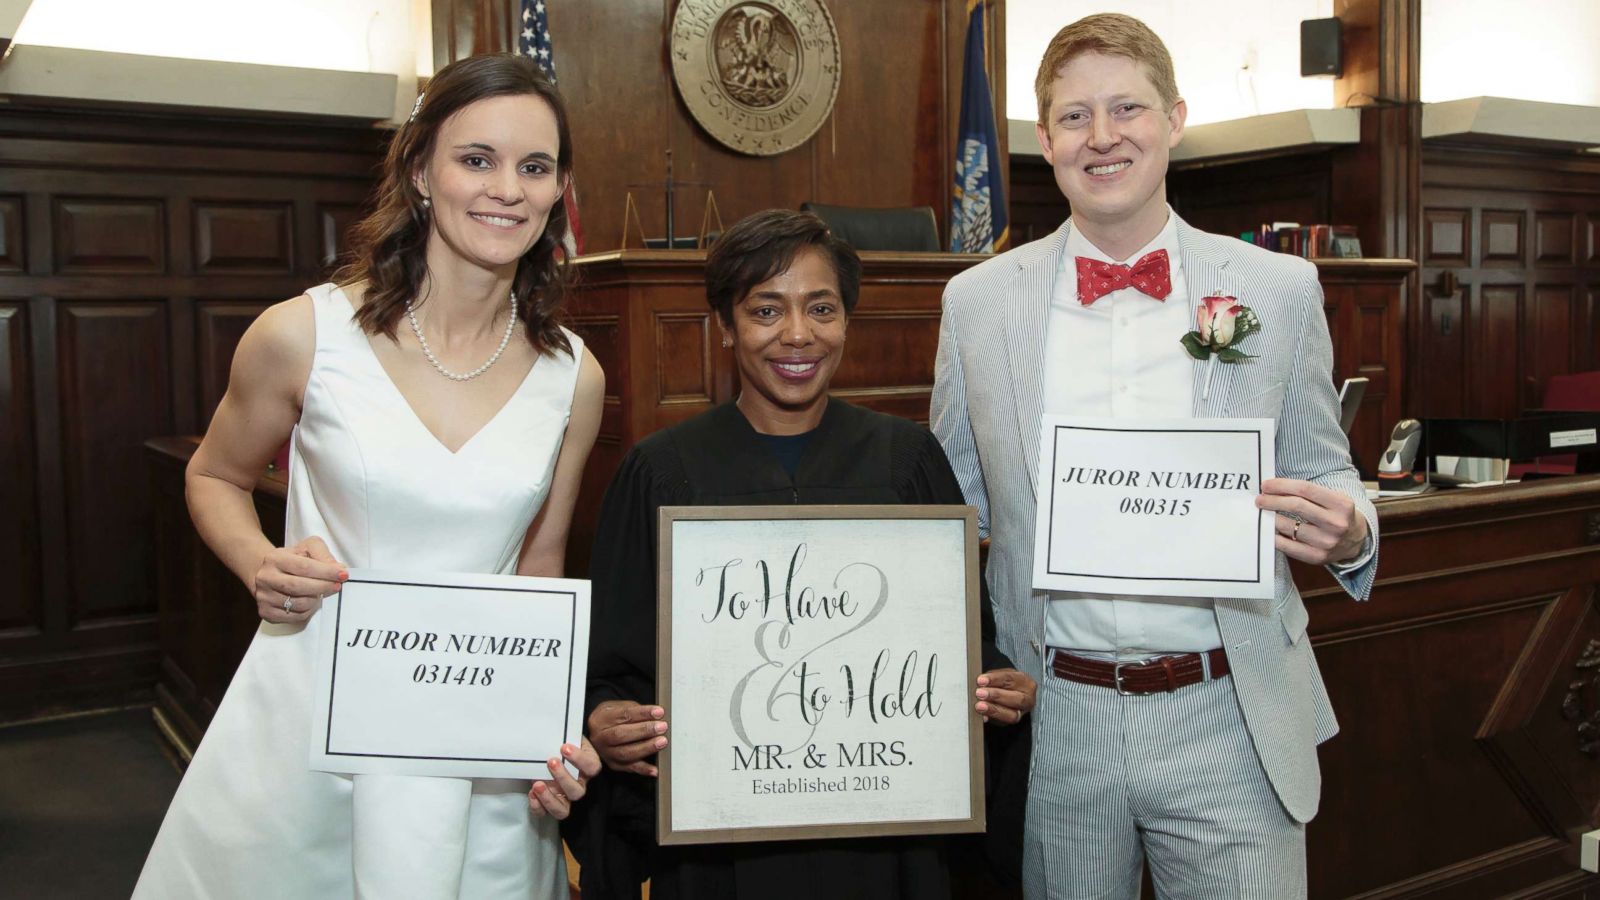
pixel 411 410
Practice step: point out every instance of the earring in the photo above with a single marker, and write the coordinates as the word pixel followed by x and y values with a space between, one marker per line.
pixel 727 343
pixel 426 203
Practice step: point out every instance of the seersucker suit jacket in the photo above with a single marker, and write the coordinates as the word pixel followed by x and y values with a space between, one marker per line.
pixel 986 412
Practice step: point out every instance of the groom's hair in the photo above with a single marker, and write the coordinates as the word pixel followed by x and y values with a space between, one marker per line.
pixel 1112 34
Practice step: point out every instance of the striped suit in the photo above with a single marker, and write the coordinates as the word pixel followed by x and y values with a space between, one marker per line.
pixel 986 412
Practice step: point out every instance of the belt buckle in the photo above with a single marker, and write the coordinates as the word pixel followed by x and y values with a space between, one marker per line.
pixel 1116 675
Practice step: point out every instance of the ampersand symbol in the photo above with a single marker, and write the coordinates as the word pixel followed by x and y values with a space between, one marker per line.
pixel 815 760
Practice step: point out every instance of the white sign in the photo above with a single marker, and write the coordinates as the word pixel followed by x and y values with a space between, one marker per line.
pixel 818 668
pixel 1581 437
pixel 459 675
pixel 1154 507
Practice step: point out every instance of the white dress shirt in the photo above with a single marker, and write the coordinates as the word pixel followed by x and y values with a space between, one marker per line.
pixel 1121 358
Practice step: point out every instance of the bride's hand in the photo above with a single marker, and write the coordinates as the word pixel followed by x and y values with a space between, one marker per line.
pixel 291 581
pixel 555 797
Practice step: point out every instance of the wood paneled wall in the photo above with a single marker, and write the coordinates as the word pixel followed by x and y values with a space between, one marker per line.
pixel 134 251
pixel 890 141
pixel 1519 234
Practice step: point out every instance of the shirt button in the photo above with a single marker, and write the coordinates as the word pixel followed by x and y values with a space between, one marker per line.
pixel 1123 389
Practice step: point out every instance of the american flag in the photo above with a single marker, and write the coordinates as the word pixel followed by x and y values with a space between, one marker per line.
pixel 533 41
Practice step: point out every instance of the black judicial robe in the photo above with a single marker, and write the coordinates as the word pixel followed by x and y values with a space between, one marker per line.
pixel 854 456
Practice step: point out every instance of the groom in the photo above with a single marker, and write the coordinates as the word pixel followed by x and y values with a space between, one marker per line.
pixel 1175 730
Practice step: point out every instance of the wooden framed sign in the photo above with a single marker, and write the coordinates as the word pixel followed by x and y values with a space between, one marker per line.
pixel 817 664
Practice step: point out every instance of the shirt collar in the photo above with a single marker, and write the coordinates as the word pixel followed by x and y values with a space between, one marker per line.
pixel 1166 239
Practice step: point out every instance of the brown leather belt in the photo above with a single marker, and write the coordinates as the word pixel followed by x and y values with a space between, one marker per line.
pixel 1163 675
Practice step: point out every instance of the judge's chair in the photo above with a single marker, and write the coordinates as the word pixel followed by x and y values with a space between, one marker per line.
pixel 1579 392
pixel 909 228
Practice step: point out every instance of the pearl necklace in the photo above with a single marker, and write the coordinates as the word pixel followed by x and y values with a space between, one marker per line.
pixel 427 351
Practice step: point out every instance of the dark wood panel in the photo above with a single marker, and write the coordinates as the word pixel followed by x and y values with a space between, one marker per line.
pixel 334 221
pixel 243 238
pixel 136 291
pixel 1419 793
pixel 13 255
pixel 1446 236
pixel 19 523
pixel 1547 339
pixel 684 366
pixel 1553 234
pixel 1441 350
pixel 865 132
pixel 889 142
pixel 106 236
pixel 1502 240
pixel 1487 599
pixel 893 350
pixel 114 394
pixel 1527 318
pixel 1494 362
pixel 219 325
pixel 1364 301
pixel 1591 361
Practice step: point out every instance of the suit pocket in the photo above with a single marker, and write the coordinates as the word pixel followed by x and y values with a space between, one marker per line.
pixel 1263 404
pixel 1295 618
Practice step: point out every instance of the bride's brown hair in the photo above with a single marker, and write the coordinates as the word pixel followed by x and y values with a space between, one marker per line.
pixel 389 246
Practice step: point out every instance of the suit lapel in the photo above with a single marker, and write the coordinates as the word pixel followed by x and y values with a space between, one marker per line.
pixel 1205 273
pixel 1027 317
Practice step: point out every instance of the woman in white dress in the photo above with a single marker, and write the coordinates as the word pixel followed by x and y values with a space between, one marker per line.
pixel 438 420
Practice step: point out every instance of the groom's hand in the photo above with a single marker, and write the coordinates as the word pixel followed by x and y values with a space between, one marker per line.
pixel 1315 524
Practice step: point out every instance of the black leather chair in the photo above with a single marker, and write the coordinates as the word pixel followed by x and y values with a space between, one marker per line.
pixel 901 228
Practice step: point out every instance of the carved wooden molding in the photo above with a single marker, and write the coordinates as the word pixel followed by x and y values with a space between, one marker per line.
pixel 1582 701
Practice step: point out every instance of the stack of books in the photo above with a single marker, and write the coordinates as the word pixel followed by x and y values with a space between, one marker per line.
pixel 1309 241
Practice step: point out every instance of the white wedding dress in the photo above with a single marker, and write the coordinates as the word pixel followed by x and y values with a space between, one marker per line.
pixel 251 820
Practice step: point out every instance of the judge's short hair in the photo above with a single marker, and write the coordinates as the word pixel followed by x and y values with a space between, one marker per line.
pixel 763 245
pixel 1112 34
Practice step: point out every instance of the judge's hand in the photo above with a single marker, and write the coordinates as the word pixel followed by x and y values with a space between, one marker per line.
pixel 555 797
pixel 1315 524
pixel 291 581
pixel 1005 696
pixel 627 734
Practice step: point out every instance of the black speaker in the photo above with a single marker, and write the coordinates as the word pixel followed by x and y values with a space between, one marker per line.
pixel 1321 48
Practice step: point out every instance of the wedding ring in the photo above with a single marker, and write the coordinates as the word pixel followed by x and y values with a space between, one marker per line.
pixel 288 604
pixel 1295 534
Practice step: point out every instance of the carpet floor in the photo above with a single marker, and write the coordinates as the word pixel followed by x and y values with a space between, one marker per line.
pixel 81 799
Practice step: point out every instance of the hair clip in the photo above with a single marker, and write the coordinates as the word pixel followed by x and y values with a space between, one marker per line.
pixel 415 108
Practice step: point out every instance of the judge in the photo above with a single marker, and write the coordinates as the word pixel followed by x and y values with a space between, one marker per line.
pixel 783 288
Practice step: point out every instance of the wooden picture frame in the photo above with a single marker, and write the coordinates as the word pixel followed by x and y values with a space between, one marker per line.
pixel 788 721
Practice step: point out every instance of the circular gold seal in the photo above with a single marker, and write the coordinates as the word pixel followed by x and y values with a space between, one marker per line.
pixel 760 77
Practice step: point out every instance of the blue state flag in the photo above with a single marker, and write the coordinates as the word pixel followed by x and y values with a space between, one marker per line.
pixel 978 222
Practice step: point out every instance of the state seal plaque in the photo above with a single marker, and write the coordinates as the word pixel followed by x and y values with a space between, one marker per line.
pixel 759 77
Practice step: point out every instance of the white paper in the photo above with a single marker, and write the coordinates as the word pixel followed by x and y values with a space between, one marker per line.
pixel 1154 507
pixel 747 754
pixel 447 674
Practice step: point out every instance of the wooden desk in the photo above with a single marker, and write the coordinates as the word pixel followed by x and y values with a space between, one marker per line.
pixel 206 617
pixel 1459 766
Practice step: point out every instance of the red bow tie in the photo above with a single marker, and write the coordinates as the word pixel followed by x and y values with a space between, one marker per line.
pixel 1150 276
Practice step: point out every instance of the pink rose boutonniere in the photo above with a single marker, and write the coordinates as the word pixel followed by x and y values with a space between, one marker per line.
pixel 1223 322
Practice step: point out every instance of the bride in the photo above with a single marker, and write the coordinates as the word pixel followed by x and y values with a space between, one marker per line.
pixel 438 419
